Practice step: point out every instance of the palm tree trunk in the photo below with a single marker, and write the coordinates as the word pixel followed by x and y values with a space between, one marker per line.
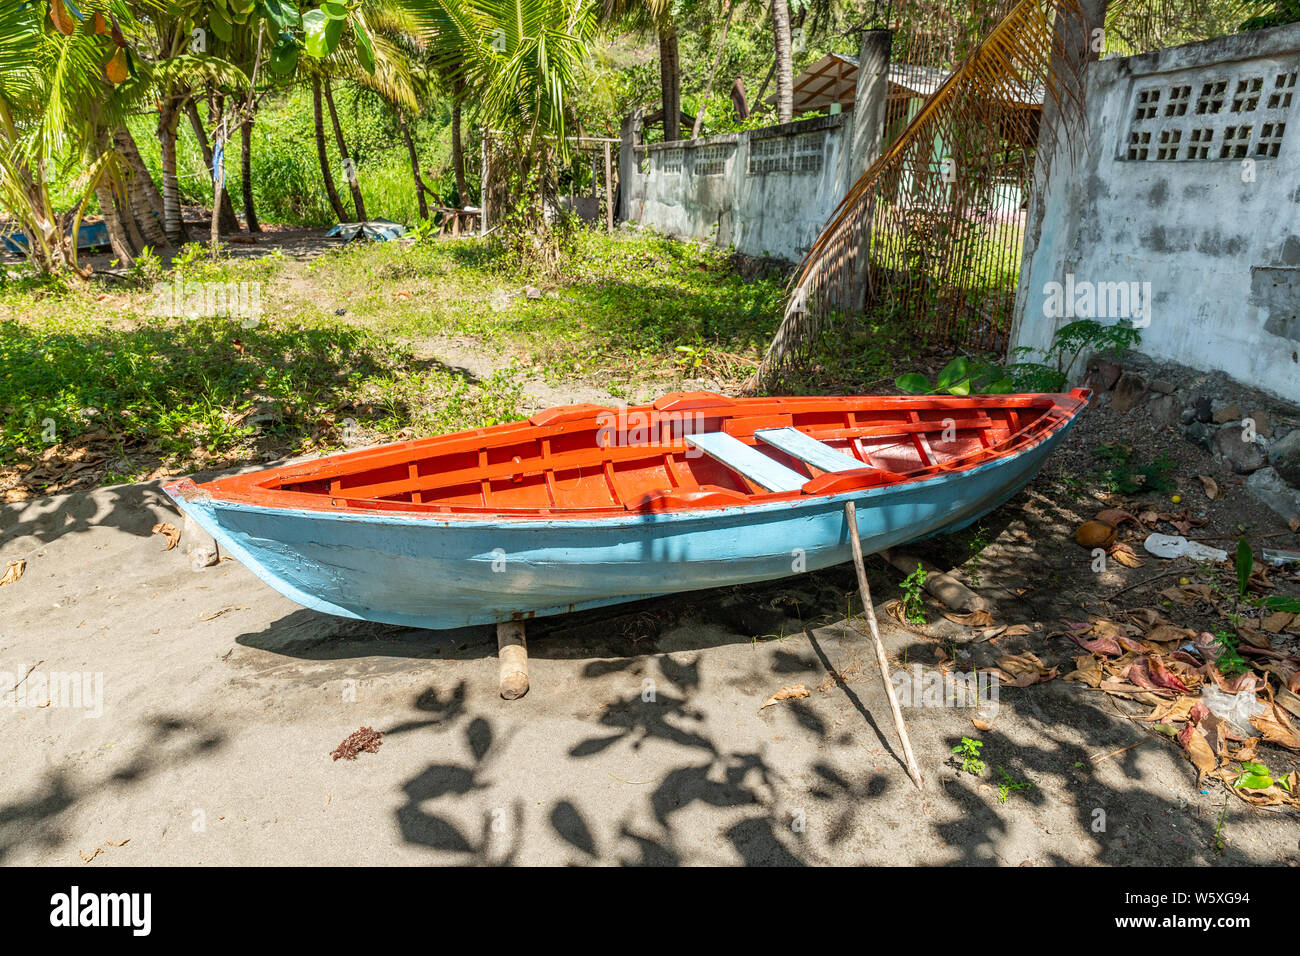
pixel 173 224
pixel 330 191
pixel 246 172
pixel 415 165
pixel 784 61
pixel 117 237
pixel 357 202
pixel 670 82
pixel 457 146
pixel 140 176
pixel 225 215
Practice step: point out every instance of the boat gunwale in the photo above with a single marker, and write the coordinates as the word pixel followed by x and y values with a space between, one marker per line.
pixel 1058 417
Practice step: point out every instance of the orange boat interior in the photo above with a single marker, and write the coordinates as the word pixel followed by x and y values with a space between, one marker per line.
pixel 585 458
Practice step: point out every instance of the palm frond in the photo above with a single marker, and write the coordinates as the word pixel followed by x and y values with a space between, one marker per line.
pixel 910 220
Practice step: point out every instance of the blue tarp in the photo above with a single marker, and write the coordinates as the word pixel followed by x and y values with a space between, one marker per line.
pixel 376 230
pixel 91 235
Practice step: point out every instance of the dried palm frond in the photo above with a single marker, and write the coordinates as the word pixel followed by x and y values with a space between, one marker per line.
pixel 918 221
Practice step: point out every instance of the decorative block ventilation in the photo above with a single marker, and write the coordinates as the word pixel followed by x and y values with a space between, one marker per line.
pixel 670 161
pixel 801 153
pixel 1219 115
pixel 712 160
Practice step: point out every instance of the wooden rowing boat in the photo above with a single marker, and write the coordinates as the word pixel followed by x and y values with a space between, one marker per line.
pixel 582 506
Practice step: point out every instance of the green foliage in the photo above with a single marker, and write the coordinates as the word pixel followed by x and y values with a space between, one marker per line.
pixel 1122 474
pixel 969 752
pixel 1230 662
pixel 1010 785
pixel 1257 776
pixel 1245 564
pixel 913 603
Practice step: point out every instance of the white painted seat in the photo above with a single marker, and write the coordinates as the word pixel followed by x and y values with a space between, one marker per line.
pixel 806 448
pixel 748 461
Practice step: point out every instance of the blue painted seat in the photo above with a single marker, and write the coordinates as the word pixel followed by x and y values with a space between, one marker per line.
pixel 747 461
pixel 796 444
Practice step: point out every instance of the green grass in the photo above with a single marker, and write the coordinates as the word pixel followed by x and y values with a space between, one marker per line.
pixel 93 365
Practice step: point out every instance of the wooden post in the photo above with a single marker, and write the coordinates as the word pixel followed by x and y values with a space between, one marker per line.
pixel 609 192
pixel 851 515
pixel 483 184
pixel 512 650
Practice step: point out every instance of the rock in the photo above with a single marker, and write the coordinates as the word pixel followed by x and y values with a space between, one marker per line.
pixel 1267 485
pixel 1128 390
pixel 1198 433
pixel 1163 386
pixel 1164 410
pixel 1103 374
pixel 1201 406
pixel 1285 458
pixel 1228 413
pixel 1244 456
pixel 1263 423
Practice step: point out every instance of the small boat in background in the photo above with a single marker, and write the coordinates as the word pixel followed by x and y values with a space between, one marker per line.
pixel 584 505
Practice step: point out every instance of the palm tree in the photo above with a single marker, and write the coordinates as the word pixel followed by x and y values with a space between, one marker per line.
pixel 784 61
pixel 657 15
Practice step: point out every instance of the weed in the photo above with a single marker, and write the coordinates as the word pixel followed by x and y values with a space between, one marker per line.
pixel 913 605
pixel 1010 785
pixel 969 752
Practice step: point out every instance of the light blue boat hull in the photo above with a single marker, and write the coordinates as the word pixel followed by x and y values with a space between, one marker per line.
pixel 433 572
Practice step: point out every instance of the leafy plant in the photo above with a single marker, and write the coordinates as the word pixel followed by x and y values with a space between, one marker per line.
pixel 1257 776
pixel 969 752
pixel 913 605
pixel 961 376
pixel 1229 662
pixel 1122 475
pixel 1010 785
pixel 1245 564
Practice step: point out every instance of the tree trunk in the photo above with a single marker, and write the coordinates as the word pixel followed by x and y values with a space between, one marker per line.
pixel 117 237
pixel 415 165
pixel 246 172
pixel 670 82
pixel 717 59
pixel 784 61
pixel 173 224
pixel 144 202
pixel 354 185
pixel 330 191
pixel 738 101
pixel 457 146
pixel 226 215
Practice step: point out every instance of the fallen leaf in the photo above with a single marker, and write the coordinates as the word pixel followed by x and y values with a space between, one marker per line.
pixel 1294 525
pixel 170 532
pixel 1116 516
pixel 1125 555
pixel 13 572
pixel 979 618
pixel 1087 669
pixel 1212 489
pixel 1276 727
pixel 792 692
pixel 363 740
pixel 1198 749
pixel 1277 622
pixel 94 853
pixel 981 724
pixel 1021 670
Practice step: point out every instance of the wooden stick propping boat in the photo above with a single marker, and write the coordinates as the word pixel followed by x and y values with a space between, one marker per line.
pixel 583 506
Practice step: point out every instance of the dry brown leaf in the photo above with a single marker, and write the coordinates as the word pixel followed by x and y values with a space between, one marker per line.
pixel 1276 727
pixel 792 692
pixel 1165 633
pixel 1116 516
pixel 1276 622
pixel 1198 748
pixel 94 853
pixel 1294 525
pixel 1021 670
pixel 1126 556
pixel 170 532
pixel 1212 489
pixel 980 618
pixel 13 572
pixel 1087 669
pixel 1172 711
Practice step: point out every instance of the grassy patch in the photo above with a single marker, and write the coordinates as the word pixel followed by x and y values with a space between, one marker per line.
pixel 98 383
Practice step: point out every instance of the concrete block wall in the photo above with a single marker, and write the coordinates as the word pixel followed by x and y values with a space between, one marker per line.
pixel 1187 184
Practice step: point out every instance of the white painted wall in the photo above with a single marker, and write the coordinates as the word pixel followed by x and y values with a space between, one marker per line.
pixel 1220 250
